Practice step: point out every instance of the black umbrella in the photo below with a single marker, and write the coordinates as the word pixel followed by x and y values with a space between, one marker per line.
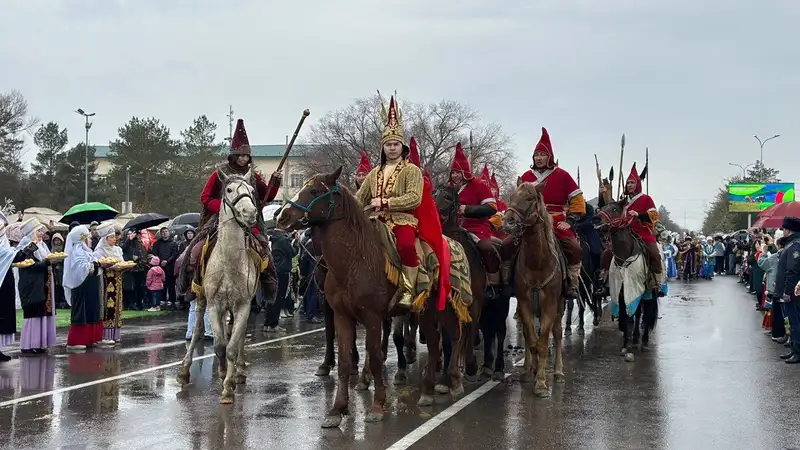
pixel 146 221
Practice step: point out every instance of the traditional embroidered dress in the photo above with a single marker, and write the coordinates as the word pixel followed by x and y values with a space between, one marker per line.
pixel 399 186
pixel 112 293
pixel 709 261
pixel 8 289
pixel 669 259
pixel 36 291
pixel 565 202
pixel 82 289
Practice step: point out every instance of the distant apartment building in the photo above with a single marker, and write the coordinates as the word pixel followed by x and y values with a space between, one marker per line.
pixel 265 159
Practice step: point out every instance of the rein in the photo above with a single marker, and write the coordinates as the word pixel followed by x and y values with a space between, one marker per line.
pixel 622 223
pixel 527 222
pixel 306 209
pixel 231 204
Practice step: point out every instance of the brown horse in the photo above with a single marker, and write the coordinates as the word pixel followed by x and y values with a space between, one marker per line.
pixel 538 275
pixel 357 288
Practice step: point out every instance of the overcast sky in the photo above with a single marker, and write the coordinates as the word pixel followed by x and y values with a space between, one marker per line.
pixel 693 80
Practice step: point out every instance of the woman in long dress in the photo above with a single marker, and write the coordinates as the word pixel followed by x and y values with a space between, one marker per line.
pixel 112 292
pixel 36 290
pixel 8 291
pixel 669 255
pixel 82 291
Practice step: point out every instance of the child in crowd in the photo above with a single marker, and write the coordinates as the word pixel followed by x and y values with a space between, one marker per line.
pixel 155 284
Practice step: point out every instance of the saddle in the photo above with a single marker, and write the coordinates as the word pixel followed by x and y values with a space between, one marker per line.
pixel 460 296
pixel 201 252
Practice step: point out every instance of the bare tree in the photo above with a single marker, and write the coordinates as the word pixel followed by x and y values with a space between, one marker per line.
pixel 340 136
pixel 14 121
pixel 14 117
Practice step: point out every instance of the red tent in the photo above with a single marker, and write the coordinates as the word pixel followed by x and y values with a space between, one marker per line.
pixel 772 217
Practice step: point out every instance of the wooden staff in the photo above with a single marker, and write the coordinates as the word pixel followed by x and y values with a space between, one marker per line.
pixel 621 154
pixel 306 113
pixel 579 176
pixel 647 165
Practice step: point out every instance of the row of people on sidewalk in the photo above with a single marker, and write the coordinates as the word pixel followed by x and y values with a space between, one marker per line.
pixel 771 272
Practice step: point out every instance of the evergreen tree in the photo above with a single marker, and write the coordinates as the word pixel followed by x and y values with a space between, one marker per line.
pixel 50 141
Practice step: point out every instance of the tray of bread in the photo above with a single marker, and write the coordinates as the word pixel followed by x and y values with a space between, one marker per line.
pixel 108 260
pixel 23 264
pixel 124 265
pixel 57 256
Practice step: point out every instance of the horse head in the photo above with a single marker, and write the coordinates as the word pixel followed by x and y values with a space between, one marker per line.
pixel 447 202
pixel 238 200
pixel 608 215
pixel 313 204
pixel 526 207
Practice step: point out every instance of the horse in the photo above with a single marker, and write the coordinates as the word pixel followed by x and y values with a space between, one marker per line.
pixel 627 279
pixel 592 287
pixel 491 315
pixel 358 289
pixel 538 277
pixel 229 283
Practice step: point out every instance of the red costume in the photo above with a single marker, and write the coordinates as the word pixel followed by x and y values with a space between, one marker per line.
pixel 430 227
pixel 363 169
pixel 497 219
pixel 643 223
pixel 211 195
pixel 479 205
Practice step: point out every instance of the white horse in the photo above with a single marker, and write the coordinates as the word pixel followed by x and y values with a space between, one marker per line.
pixel 229 283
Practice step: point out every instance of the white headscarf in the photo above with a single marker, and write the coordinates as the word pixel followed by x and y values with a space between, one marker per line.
pixel 7 253
pixel 104 249
pixel 29 228
pixel 79 260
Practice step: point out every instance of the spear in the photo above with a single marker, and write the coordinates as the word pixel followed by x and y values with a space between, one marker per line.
pixel 294 136
pixel 621 154
pixel 647 165
pixel 579 176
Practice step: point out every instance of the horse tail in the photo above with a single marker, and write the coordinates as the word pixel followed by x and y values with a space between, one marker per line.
pixel 650 312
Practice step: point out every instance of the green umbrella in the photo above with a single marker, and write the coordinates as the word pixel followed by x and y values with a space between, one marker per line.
pixel 85 213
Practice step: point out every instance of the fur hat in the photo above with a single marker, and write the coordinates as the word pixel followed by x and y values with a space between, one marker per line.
pixel 792 224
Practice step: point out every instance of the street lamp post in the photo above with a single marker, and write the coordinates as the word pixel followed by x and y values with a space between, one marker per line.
pixel 744 168
pixel 86 154
pixel 761 144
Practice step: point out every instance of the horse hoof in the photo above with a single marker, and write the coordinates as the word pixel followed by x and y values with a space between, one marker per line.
pixel 425 400
pixel 487 371
pixel 323 371
pixel 441 389
pixel 541 391
pixel 471 378
pixel 183 379
pixel 240 379
pixel 400 379
pixel 361 386
pixel 623 352
pixel 629 357
pixel 568 332
pixel 332 422
pixel 374 416
pixel 581 332
pixel 226 399
pixel 526 377
pixel 596 322
pixel 499 376
pixel 559 378
pixel 456 391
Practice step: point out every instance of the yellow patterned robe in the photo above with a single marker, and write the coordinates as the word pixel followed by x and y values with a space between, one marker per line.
pixel 403 193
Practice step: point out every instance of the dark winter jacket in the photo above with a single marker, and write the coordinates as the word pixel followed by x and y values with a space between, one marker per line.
pixel 282 252
pixel 166 250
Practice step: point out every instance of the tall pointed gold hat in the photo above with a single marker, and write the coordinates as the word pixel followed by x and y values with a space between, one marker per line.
pixel 392 122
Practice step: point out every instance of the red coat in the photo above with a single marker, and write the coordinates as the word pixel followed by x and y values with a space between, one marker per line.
pixel 643 204
pixel 429 228
pixel 561 195
pixel 211 197
pixel 474 193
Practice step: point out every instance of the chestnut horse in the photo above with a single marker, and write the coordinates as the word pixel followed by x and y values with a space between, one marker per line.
pixel 538 278
pixel 357 288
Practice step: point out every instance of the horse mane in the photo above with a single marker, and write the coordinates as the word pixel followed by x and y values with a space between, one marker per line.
pixel 547 219
pixel 366 244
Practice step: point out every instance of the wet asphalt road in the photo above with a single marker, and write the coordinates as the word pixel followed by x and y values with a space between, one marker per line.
pixel 712 379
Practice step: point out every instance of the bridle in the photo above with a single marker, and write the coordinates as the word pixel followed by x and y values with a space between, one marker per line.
pixel 526 219
pixel 621 223
pixel 306 209
pixel 231 204
pixel 452 211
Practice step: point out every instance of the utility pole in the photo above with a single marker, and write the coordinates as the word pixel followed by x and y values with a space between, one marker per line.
pixel 128 190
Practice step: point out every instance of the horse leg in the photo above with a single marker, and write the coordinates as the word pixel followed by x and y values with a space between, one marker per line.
pixel 581 312
pixel 220 337
pixel 455 329
pixel 232 352
pixel 442 382
pixel 542 344
pixel 501 310
pixel 558 364
pixel 410 337
pixel 488 330
pixel 197 334
pixel 637 318
pixel 473 328
pixel 427 321
pixel 345 333
pixel 597 309
pixel 356 358
pixel 241 365
pixel 625 325
pixel 525 312
pixel 387 330
pixel 366 374
pixel 398 338
pixel 568 327
pixel 374 334
pixel 330 334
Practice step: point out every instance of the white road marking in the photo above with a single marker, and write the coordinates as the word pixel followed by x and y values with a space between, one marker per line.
pixel 142 371
pixel 426 428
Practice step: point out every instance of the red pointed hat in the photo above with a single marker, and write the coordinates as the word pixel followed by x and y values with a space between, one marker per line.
pixel 413 153
pixel 545 146
pixel 493 182
pixel 634 175
pixel 240 145
pixel 485 177
pixel 461 163
pixel 364 167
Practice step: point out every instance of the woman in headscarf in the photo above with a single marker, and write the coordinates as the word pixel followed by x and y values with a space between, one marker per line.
pixel 112 292
pixel 8 291
pixel 82 290
pixel 58 270
pixel 36 290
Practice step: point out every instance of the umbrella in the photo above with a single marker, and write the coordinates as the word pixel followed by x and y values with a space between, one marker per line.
pixel 146 221
pixel 89 212
pixel 772 217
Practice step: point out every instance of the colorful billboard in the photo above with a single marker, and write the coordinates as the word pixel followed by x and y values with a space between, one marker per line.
pixel 756 197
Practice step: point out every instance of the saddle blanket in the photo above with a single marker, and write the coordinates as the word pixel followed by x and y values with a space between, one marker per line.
pixel 260 262
pixel 632 274
pixel 460 295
